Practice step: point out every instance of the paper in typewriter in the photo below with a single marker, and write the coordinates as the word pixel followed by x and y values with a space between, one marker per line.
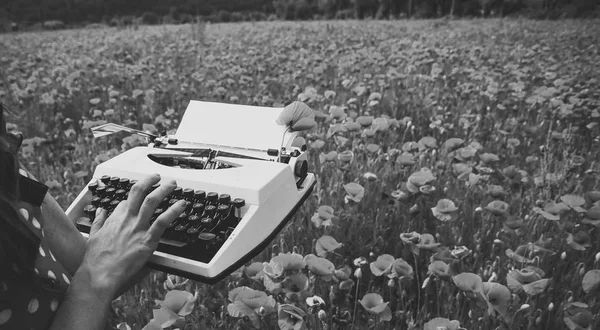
pixel 233 125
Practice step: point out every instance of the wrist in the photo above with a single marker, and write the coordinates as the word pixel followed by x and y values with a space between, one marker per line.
pixel 96 285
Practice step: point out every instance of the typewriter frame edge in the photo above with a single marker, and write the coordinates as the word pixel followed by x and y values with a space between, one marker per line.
pixel 247 257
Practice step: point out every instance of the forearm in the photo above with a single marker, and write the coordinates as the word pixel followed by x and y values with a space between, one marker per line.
pixel 86 305
pixel 63 238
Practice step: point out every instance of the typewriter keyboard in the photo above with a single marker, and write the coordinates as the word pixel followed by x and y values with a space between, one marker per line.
pixel 198 233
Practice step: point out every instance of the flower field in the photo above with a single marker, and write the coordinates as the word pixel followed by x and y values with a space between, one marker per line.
pixel 458 164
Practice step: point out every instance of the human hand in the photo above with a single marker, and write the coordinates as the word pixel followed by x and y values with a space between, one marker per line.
pixel 120 245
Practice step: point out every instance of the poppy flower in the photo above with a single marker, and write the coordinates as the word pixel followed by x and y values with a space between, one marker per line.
pixel 354 192
pixel 291 317
pixel 326 244
pixel 360 261
pixel 579 241
pixel 337 112
pixel 401 269
pixel 498 297
pixel 515 279
pixel 488 158
pixel 428 142
pixel 323 216
pixel 496 191
pixel 315 301
pixel 370 176
pixel 441 323
pixel 365 121
pixel 577 316
pixel 374 304
pixel 320 266
pixel 460 252
pixel 440 269
pixel 380 124
pixel 297 282
pixel 176 305
pixel 591 281
pixel 346 156
pixel 255 270
pixel 174 282
pixel 352 127
pixel 383 265
pixel 343 274
pixel 251 303
pixel 406 159
pixel 410 238
pixel 452 143
pixel 498 208
pixel 445 210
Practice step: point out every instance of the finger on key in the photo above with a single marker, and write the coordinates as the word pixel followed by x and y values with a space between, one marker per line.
pixel 153 200
pixel 163 221
pixel 138 193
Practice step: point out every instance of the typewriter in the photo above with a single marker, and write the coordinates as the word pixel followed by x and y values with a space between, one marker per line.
pixel 243 175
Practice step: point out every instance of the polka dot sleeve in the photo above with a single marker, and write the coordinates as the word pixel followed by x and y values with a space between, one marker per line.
pixel 33 305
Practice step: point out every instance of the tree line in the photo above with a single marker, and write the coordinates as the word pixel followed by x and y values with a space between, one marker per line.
pixel 112 12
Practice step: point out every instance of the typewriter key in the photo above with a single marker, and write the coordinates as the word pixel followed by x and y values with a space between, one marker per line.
pixel 114 181
pixel 96 201
pixel 101 191
pixel 199 195
pixel 110 192
pixel 92 187
pixel 207 223
pixel 198 209
pixel 181 231
pixel 105 203
pixel 224 199
pixel 239 202
pixel 132 182
pixel 124 183
pixel 105 179
pixel 90 211
pixel 177 192
pixel 113 205
pixel 209 240
pixel 188 193
pixel 223 210
pixel 210 210
pixel 212 197
pixel 120 194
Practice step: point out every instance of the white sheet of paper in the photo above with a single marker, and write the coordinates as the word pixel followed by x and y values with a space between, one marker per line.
pixel 233 125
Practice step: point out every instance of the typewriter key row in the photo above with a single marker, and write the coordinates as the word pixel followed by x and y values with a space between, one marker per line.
pixel 208 220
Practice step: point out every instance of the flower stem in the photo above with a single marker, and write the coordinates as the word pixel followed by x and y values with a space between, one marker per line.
pixel 355 304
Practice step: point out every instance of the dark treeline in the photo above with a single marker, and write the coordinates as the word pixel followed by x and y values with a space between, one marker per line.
pixel 114 12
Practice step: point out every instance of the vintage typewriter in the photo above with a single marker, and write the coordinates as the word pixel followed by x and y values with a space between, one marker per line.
pixel 243 173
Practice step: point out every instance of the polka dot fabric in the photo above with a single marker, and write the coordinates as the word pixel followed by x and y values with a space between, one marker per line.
pixel 33 306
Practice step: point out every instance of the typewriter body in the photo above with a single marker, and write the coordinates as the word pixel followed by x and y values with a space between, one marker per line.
pixel 243 175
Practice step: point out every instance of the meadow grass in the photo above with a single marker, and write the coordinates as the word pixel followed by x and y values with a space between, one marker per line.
pixel 457 163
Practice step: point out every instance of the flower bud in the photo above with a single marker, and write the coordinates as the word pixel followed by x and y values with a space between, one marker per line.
pixel 550 307
pixel 598 257
pixel 371 254
pixel 391 283
pixel 261 310
pixel 322 316
pixel 524 307
pixel 478 209
pixel 358 273
pixel 538 320
pixel 470 314
pixel 563 256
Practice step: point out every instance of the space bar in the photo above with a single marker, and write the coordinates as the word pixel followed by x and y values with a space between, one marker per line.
pixel 172 242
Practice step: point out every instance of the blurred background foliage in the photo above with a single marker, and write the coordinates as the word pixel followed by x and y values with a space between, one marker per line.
pixel 57 14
